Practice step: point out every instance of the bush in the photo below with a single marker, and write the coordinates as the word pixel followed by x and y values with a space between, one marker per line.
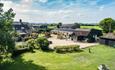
pixel 39 43
pixel 70 48
pixel 27 38
pixel 20 48
pixel 43 43
pixel 21 45
pixel 33 44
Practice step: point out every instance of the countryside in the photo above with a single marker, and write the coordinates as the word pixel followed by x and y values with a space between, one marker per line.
pixel 57 35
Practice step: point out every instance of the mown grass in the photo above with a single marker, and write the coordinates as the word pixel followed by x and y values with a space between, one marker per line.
pixel 70 61
pixel 89 27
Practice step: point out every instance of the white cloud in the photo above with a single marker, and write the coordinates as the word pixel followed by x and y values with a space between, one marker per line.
pixel 20 9
pixel 25 11
pixel 26 3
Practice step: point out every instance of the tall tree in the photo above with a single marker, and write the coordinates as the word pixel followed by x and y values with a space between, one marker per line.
pixel 76 25
pixel 6 19
pixel 59 24
pixel 107 24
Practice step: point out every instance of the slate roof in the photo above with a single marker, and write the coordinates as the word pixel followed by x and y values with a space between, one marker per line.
pixel 67 26
pixel 64 30
pixel 67 30
pixel 79 32
pixel 79 29
pixel 18 23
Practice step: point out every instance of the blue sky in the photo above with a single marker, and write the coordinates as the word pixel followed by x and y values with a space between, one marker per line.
pixel 66 11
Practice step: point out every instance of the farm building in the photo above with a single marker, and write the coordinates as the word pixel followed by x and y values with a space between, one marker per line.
pixel 64 32
pixel 21 27
pixel 39 27
pixel 70 26
pixel 89 35
pixel 108 39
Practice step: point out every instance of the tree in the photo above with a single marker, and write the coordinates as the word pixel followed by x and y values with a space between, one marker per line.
pixel 7 43
pixel 59 24
pixel 76 25
pixel 107 24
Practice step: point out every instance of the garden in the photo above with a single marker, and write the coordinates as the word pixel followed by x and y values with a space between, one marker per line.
pixel 100 54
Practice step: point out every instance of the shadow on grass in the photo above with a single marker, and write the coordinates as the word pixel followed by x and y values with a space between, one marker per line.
pixel 20 64
pixel 65 52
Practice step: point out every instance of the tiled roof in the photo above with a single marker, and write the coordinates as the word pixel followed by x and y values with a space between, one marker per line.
pixel 79 29
pixel 109 36
pixel 67 29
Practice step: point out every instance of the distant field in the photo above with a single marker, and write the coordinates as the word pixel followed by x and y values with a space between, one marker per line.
pixel 70 61
pixel 95 27
pixel 52 27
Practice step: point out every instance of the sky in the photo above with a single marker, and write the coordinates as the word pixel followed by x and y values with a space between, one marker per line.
pixel 65 11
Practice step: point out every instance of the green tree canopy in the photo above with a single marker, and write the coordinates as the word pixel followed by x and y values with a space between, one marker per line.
pixel 6 20
pixel 59 24
pixel 76 25
pixel 107 24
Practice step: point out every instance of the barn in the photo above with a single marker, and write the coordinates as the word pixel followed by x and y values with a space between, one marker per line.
pixel 108 39
pixel 69 26
pixel 89 35
pixel 64 32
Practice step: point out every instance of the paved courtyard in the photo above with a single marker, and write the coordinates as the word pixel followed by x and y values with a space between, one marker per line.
pixel 58 42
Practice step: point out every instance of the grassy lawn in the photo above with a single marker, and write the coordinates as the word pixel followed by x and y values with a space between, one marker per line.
pixel 70 61
pixel 95 27
pixel 52 27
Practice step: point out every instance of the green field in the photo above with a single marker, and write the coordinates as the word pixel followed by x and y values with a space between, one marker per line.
pixel 89 27
pixel 70 61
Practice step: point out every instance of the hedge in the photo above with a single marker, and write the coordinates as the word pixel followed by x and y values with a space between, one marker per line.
pixel 21 48
pixel 64 49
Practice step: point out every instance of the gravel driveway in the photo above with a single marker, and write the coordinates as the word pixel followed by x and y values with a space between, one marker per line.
pixel 58 42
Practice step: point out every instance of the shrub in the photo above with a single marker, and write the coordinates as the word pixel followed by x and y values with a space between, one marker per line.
pixel 19 49
pixel 33 44
pixel 43 43
pixel 70 48
pixel 21 45
pixel 27 38
pixel 38 43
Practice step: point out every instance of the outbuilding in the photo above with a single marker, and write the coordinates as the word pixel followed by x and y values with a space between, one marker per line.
pixel 70 26
pixel 108 39
pixel 89 35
